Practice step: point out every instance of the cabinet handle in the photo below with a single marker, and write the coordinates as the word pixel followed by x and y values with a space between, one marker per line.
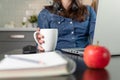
pixel 17 36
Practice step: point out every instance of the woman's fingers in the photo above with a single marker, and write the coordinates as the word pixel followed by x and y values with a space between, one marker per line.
pixel 39 36
pixel 38 29
pixel 40 49
pixel 40 40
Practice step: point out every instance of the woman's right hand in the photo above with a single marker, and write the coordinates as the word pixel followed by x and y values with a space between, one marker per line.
pixel 40 38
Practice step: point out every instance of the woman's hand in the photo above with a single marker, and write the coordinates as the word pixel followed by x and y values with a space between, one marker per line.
pixel 40 40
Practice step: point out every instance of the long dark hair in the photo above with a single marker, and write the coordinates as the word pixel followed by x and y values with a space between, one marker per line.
pixel 76 10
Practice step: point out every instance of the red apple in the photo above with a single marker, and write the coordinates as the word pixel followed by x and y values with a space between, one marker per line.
pixel 96 56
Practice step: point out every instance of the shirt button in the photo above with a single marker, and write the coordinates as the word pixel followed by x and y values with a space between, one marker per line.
pixel 72 32
pixel 73 38
pixel 71 22
pixel 59 22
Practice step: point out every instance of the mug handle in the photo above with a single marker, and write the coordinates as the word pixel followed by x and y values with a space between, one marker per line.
pixel 34 35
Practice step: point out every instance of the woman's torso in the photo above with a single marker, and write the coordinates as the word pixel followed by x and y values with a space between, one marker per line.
pixel 72 33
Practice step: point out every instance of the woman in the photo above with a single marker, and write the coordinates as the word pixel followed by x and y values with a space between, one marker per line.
pixel 75 23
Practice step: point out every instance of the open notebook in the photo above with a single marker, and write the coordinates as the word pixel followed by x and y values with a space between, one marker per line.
pixel 32 65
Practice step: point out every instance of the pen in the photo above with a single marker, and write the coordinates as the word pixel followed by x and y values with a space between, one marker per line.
pixel 23 59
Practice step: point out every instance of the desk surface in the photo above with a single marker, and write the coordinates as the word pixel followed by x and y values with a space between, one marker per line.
pixel 111 72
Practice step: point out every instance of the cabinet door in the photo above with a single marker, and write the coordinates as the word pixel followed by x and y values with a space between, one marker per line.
pixel 5 47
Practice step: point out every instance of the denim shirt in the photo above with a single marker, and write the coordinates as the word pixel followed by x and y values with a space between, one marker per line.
pixel 71 33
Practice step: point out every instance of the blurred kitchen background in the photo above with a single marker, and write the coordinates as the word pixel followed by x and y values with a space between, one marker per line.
pixel 14 13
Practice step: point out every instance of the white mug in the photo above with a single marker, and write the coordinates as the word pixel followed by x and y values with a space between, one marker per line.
pixel 50 38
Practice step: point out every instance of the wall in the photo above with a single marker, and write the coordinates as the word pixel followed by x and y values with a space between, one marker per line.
pixel 14 10
pixel 87 2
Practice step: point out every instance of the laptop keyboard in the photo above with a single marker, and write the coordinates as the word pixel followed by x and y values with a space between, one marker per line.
pixel 76 51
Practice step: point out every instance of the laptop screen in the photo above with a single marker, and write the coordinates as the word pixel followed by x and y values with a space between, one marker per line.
pixel 107 30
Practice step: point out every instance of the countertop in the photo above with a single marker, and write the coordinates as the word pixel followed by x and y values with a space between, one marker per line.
pixel 17 29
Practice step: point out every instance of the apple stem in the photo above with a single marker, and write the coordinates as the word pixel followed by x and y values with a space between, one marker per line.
pixel 97 43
